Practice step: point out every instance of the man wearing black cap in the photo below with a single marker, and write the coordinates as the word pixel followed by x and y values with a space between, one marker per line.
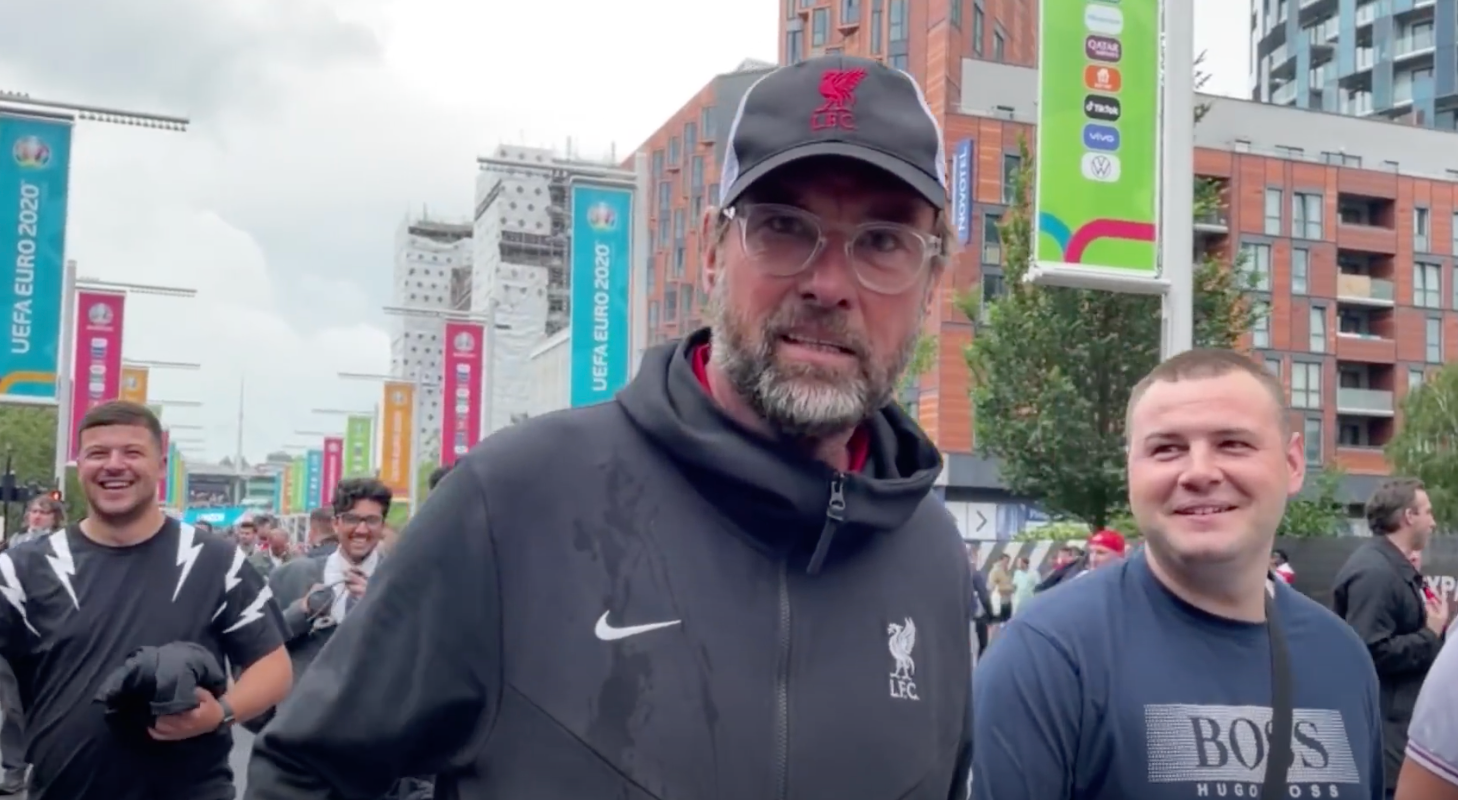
pixel 732 580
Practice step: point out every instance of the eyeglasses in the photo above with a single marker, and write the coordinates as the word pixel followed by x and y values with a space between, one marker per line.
pixel 355 520
pixel 886 257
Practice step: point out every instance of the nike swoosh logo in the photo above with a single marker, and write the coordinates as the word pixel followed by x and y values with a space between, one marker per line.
pixel 608 633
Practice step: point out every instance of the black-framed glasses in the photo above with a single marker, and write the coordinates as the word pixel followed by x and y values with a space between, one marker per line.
pixel 886 257
pixel 371 521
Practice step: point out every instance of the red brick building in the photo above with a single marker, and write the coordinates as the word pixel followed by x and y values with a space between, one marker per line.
pixel 1352 225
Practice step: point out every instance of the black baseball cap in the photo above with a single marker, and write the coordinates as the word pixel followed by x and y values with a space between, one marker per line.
pixel 836 105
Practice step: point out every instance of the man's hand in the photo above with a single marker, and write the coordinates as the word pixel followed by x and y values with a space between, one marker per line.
pixel 1438 615
pixel 355 582
pixel 201 720
pixel 303 602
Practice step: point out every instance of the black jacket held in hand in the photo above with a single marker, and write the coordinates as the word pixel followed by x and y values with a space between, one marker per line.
pixel 158 682
pixel 618 602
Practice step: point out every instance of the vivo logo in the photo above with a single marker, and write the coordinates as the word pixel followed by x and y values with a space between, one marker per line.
pixel 1100 137
pixel 1103 19
pixel 1101 167
pixel 1102 48
pixel 1097 106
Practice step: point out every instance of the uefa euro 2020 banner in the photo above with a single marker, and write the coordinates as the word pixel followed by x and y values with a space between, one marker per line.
pixel 602 253
pixel 35 165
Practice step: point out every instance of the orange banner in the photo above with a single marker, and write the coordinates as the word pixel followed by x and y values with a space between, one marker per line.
pixel 134 384
pixel 398 427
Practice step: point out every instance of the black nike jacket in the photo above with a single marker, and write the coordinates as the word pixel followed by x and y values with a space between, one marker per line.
pixel 619 602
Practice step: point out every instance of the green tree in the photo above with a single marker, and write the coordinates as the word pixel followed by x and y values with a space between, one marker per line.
pixel 1053 367
pixel 1426 446
pixel 922 358
pixel 1319 510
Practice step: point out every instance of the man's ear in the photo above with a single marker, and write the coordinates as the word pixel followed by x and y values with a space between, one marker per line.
pixel 708 235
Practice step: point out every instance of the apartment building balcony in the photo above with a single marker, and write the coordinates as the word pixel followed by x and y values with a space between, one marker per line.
pixel 1365 290
pixel 1366 238
pixel 1212 223
pixel 1364 402
pixel 1362 461
pixel 1365 348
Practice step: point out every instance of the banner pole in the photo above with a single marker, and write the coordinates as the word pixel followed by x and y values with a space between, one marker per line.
pixel 1177 177
pixel 64 368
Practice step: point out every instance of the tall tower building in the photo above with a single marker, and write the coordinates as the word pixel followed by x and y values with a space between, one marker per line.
pixel 520 277
pixel 1369 58
pixel 432 262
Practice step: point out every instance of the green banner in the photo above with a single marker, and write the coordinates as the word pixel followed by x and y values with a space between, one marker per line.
pixel 358 453
pixel 296 487
pixel 1096 197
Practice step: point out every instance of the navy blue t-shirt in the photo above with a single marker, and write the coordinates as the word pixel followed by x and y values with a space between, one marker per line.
pixel 1112 688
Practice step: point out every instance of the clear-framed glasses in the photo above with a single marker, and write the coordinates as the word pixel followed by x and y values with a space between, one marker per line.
pixel 886 257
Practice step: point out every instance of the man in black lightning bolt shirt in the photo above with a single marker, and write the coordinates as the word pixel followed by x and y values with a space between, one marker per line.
pixel 75 604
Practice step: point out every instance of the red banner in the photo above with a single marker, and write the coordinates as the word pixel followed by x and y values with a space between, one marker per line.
pixel 461 406
pixel 333 469
pixel 97 366
pixel 166 468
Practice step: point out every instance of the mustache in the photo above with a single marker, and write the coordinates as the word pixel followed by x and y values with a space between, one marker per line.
pixel 829 324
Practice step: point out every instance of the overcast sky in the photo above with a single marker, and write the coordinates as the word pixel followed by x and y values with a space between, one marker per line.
pixel 318 125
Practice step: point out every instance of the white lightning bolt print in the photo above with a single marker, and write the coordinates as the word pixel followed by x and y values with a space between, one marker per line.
pixel 187 553
pixel 62 564
pixel 11 590
pixel 234 576
pixel 254 611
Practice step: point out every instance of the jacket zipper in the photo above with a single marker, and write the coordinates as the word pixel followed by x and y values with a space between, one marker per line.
pixel 834 516
pixel 782 690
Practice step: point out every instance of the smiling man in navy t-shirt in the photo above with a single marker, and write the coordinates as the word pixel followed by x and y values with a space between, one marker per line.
pixel 1154 679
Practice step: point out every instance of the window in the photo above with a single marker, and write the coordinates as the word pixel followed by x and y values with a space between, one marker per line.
pixel 713 193
pixel 1317 330
pixel 670 303
pixel 897 31
pixel 1420 231
pixel 993 287
pixel 898 62
pixel 850 12
pixel 706 123
pixel 1434 335
pixel 1305 216
pixel 696 175
pixel 1427 285
pixel 1273 366
pixel 679 226
pixel 1258 266
pixel 690 138
pixel 999 49
pixel 674 156
pixel 956 14
pixel 1260 332
pixel 1273 212
pixel 876 27
pixel 1415 378
pixel 991 238
pixel 1311 433
pixel 1300 269
pixel 1454 243
pixel 657 164
pixel 794 50
pixel 819 27
pixel 1011 164
pixel 1305 385
pixel 979 21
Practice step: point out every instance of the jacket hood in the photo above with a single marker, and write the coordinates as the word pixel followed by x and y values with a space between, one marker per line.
pixel 776 493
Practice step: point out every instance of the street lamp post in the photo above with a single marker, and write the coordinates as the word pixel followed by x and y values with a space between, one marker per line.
pixel 412 501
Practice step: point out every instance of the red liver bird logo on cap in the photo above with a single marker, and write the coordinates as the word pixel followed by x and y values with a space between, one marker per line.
pixel 838 87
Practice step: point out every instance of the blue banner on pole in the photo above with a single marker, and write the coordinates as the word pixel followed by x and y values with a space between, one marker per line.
pixel 313 478
pixel 35 164
pixel 962 190
pixel 602 241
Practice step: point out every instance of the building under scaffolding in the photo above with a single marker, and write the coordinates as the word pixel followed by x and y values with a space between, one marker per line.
pixel 521 275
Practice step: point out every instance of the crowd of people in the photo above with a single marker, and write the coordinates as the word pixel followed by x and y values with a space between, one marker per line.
pixel 748 587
